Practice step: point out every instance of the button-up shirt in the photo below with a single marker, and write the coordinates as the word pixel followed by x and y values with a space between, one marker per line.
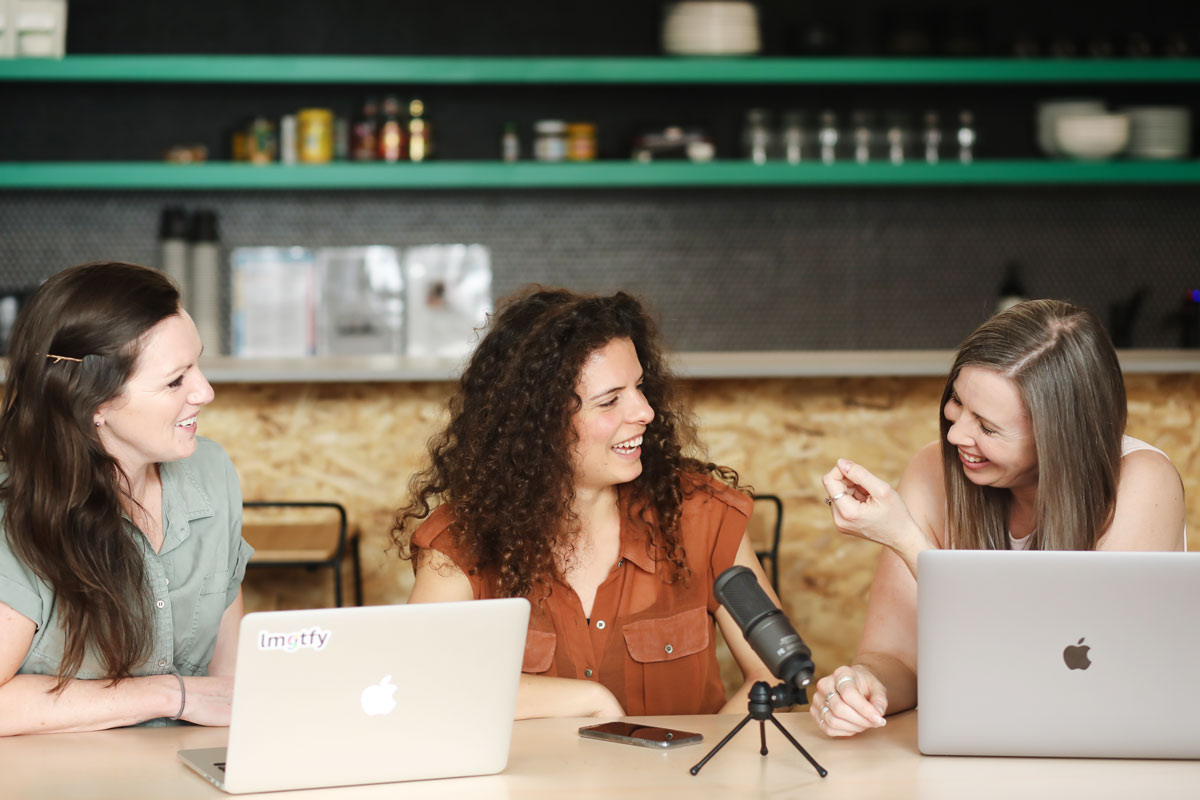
pixel 190 581
pixel 649 640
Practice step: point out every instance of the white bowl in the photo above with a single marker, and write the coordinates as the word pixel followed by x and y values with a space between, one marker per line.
pixel 1050 110
pixel 711 27
pixel 1091 136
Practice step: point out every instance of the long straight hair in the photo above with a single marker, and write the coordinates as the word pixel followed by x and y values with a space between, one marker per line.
pixel 64 494
pixel 1069 379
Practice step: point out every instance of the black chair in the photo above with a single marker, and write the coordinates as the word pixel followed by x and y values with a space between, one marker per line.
pixel 305 544
pixel 772 553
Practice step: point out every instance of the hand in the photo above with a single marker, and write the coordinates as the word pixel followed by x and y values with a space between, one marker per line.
pixel 869 508
pixel 209 700
pixel 849 701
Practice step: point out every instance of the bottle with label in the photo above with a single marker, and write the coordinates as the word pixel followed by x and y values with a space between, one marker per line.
pixel 420 139
pixel 827 137
pixel 364 135
pixel 510 143
pixel 204 259
pixel 793 140
pixel 966 137
pixel 861 125
pixel 756 135
pixel 173 250
pixel 932 138
pixel 392 140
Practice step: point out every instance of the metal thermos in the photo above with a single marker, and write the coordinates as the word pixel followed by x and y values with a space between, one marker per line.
pixel 205 296
pixel 173 249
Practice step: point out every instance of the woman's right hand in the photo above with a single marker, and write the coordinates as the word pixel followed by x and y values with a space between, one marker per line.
pixel 209 700
pixel 869 508
pixel 849 701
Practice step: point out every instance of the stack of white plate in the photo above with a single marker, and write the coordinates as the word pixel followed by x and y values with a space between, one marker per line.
pixel 710 27
pixel 1159 132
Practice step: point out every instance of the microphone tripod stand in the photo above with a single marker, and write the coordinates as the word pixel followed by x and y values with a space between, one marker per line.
pixel 763 702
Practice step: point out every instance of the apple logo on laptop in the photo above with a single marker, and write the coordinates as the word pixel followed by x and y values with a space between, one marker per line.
pixel 1076 656
pixel 377 698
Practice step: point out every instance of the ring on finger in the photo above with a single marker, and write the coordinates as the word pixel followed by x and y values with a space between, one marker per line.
pixel 830 696
pixel 824 711
pixel 842 680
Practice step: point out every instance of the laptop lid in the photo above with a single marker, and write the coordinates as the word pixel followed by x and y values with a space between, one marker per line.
pixel 1058 654
pixel 347 696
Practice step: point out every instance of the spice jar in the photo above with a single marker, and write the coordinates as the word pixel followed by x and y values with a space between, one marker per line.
pixel 550 143
pixel 315 135
pixel 581 141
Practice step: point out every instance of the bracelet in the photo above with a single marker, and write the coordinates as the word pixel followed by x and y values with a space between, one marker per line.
pixel 182 696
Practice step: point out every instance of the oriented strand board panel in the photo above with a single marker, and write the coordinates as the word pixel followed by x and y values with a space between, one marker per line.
pixel 360 443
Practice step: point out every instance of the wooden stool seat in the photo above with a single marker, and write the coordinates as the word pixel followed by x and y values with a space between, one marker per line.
pixel 291 541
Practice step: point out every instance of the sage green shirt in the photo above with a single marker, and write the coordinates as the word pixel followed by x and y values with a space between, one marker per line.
pixel 192 580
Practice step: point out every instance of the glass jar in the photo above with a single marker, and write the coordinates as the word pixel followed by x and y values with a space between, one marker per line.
pixel 550 142
pixel 581 141
pixel 315 135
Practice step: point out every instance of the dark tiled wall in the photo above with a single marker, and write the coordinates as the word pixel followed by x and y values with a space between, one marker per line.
pixel 727 269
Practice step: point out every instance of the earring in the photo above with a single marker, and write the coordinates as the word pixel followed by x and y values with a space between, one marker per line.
pixel 97 423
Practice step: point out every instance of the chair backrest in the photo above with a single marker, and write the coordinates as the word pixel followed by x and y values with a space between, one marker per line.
pixel 286 539
pixel 768 551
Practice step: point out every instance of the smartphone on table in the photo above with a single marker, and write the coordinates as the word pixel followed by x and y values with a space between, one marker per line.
pixel 640 735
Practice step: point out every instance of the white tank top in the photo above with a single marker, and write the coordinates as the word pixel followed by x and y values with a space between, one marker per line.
pixel 1128 445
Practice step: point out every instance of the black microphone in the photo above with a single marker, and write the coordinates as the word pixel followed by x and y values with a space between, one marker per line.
pixel 765 627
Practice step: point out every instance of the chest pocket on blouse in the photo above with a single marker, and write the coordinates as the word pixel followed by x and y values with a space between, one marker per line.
pixel 539 651
pixel 196 648
pixel 673 655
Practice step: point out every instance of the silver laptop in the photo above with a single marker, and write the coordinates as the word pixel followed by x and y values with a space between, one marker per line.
pixel 1058 654
pixel 347 696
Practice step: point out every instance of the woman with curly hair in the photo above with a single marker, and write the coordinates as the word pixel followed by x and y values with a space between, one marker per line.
pixel 564 477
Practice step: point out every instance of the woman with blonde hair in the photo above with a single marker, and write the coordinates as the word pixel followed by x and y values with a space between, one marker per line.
pixel 1032 456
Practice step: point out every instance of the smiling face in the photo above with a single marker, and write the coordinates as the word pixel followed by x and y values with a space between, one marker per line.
pixel 992 430
pixel 153 419
pixel 612 417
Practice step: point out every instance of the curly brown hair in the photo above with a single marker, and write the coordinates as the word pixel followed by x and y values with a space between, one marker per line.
pixel 504 465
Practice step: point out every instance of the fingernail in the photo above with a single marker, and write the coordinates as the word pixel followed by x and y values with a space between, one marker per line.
pixel 845 463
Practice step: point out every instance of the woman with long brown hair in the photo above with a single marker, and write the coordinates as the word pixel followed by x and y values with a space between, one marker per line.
pixel 568 475
pixel 121 557
pixel 1032 456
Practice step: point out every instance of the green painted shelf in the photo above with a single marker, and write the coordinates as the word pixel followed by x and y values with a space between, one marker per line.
pixel 551 70
pixel 116 175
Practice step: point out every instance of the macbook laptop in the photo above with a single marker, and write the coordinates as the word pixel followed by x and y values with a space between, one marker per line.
pixel 1058 654
pixel 347 696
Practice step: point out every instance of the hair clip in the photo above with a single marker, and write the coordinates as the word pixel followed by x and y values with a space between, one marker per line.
pixel 63 358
